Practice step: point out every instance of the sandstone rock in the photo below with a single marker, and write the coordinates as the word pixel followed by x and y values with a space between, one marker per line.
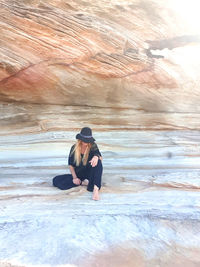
pixel 99 53
pixel 130 71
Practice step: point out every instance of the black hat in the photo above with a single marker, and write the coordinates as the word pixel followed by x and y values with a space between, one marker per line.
pixel 85 135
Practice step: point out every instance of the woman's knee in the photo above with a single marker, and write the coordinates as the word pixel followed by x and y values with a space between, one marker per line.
pixel 99 164
pixel 55 180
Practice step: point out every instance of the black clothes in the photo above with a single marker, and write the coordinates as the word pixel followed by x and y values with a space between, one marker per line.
pixel 94 151
pixel 93 174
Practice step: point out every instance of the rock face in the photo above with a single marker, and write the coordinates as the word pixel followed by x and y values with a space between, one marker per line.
pixel 130 71
pixel 100 53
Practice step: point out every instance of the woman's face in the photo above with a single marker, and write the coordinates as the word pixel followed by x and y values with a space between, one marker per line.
pixel 83 143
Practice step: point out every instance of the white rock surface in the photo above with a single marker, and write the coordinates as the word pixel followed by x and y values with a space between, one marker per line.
pixel 148 215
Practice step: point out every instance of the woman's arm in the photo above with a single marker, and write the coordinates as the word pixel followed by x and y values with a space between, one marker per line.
pixel 95 150
pixel 71 164
pixel 76 180
pixel 96 155
pixel 72 172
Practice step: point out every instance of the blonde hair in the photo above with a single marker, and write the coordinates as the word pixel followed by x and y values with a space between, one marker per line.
pixel 77 153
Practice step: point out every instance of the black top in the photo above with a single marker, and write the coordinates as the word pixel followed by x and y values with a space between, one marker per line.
pixel 94 151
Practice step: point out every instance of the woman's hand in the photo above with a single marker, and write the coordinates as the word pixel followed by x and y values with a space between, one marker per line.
pixel 77 181
pixel 94 161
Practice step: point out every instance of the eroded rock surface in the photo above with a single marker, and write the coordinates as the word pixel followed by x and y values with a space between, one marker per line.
pixel 130 71
pixel 100 53
pixel 148 214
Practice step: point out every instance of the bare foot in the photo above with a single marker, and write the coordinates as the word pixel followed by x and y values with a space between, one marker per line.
pixel 95 195
pixel 85 182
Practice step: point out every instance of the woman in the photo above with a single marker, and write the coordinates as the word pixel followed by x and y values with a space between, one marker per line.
pixel 85 164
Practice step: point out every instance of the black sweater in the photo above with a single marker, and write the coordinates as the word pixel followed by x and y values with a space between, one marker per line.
pixel 94 151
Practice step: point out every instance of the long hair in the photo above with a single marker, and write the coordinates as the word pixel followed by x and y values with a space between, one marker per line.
pixel 77 153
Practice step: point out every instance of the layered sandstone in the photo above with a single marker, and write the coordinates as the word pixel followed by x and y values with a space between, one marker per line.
pixel 130 71
pixel 100 53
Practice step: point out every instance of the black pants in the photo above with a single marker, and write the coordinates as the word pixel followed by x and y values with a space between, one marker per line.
pixel 93 174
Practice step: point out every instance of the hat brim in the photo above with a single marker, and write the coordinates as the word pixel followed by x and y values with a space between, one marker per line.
pixel 86 140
